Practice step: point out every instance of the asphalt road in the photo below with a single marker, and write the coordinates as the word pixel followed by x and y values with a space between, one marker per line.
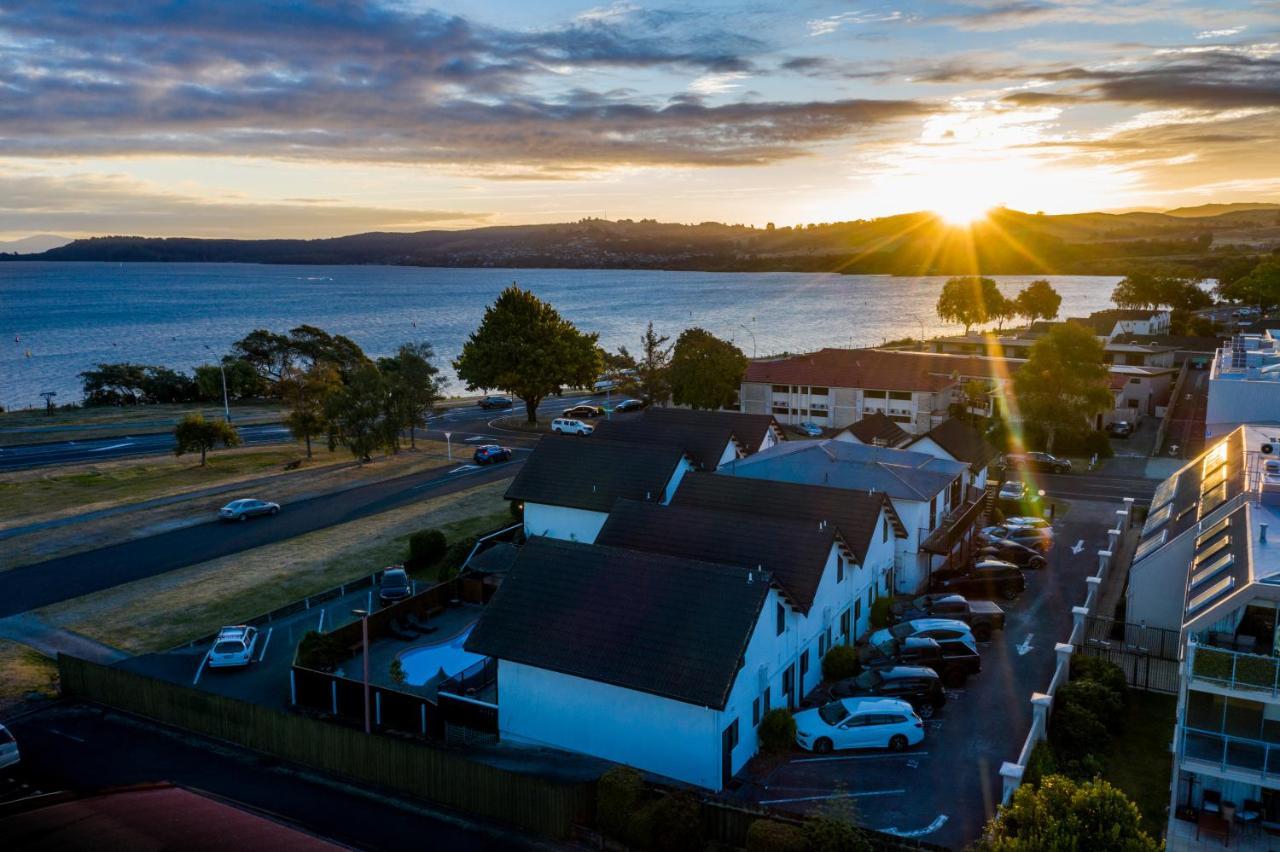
pixel 1095 486
pixel 44 583
pixel 72 747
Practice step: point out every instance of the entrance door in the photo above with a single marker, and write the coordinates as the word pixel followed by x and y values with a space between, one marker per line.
pixel 728 741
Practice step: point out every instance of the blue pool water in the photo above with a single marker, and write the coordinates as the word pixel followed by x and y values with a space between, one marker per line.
pixel 422 664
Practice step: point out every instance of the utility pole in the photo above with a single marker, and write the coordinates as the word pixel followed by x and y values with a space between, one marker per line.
pixel 226 405
pixel 364 634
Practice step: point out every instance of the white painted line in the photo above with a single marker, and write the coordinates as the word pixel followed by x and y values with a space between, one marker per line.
pixel 1025 647
pixel 919 832
pixel 200 668
pixel 860 757
pixel 112 447
pixel 265 643
pixel 1079 546
pixel 64 734
pixel 832 796
pixel 465 468
pixel 320 629
pixel 474 438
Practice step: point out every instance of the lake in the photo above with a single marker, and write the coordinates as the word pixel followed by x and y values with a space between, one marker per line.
pixel 61 318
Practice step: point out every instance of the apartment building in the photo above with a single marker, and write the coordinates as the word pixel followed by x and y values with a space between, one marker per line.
pixel 1244 383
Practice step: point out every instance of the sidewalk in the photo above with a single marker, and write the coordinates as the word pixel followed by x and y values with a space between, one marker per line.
pixel 28 629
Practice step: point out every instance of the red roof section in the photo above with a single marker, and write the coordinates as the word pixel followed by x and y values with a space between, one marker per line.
pixel 879 369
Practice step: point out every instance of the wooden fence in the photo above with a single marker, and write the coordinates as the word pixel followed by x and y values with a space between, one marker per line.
pixel 727 823
pixel 530 802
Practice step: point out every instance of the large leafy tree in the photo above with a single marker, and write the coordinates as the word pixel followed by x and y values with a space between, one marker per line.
pixel 267 352
pixel 652 382
pixel 414 385
pixel 971 300
pixel 114 384
pixel 274 355
pixel 195 434
pixel 525 347
pixel 1261 286
pixel 243 381
pixel 1160 288
pixel 1064 382
pixel 705 371
pixel 306 392
pixel 1038 300
pixel 1061 815
pixel 355 414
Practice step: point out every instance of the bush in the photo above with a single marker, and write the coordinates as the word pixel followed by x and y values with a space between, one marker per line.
pixel 834 828
pixel 880 613
pixel 1105 704
pixel 765 835
pixel 1061 814
pixel 839 663
pixel 456 554
pixel 426 548
pixel 321 651
pixel 676 824
pixel 1076 733
pixel 777 731
pixel 617 795
pixel 1100 671
pixel 1040 764
pixel 516 508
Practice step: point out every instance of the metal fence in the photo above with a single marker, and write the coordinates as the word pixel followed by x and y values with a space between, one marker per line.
pixel 1147 655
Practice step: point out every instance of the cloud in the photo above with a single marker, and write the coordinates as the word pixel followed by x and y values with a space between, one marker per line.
pixel 1224 33
pixel 717 84
pixel 828 25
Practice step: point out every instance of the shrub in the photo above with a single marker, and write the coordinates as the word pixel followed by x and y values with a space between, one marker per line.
pixel 1211 663
pixel 321 651
pixel 454 557
pixel 1105 704
pixel 765 835
pixel 426 548
pixel 516 508
pixel 1041 763
pixel 777 731
pixel 397 672
pixel 834 828
pixel 839 663
pixel 1100 671
pixel 880 613
pixel 1061 814
pixel 676 824
pixel 617 794
pixel 1076 733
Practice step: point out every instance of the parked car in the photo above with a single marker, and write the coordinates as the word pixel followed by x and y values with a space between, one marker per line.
pixel 941 629
pixel 813 430
pixel 490 453
pixel 953 661
pixel 1037 461
pixel 983 617
pixel 1120 429
pixel 244 509
pixel 395 585
pixel 1008 550
pixel 487 402
pixel 570 426
pixel 859 723
pixel 9 754
pixel 1014 489
pixel 1027 521
pixel 233 647
pixel 629 405
pixel 579 411
pixel 918 686
pixel 987 578
pixel 1039 538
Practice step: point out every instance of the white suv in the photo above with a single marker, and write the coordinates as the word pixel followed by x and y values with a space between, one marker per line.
pixel 859 723
pixel 233 647
pixel 940 629
pixel 569 426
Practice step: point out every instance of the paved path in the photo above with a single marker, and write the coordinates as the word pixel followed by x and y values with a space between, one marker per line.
pixel 30 630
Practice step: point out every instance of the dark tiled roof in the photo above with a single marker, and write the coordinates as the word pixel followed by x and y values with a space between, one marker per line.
pixel 854 513
pixel 877 429
pixel 794 552
pixel 1118 314
pixel 496 559
pixel 749 429
pixel 963 442
pixel 704 444
pixel 582 473
pixel 1188 344
pixel 877 369
pixel 668 626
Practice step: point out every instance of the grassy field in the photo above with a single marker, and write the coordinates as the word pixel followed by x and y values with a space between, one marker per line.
pixel 1139 762
pixel 36 426
pixel 140 616
pixel 24 673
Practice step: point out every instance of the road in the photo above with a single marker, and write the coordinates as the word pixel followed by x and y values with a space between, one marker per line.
pixel 72 747
pixel 1095 486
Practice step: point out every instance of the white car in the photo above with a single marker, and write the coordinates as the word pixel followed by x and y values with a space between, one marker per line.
pixel 941 629
pixel 1027 522
pixel 233 647
pixel 1014 489
pixel 570 426
pixel 813 430
pixel 859 723
pixel 243 510
pixel 9 755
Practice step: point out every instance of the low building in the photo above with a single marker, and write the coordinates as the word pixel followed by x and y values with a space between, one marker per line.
pixel 876 430
pixel 1244 383
pixel 1139 392
pixel 1116 321
pixel 1017 344
pixel 708 438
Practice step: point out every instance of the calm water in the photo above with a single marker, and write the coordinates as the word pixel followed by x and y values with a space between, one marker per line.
pixel 61 318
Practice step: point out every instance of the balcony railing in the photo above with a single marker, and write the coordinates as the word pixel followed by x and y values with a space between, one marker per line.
pixel 953 525
pixel 1228 753
pixel 1234 669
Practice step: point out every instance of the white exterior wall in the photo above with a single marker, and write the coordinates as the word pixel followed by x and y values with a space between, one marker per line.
pixel 928 445
pixel 1236 401
pixel 681 469
pixel 911 574
pixel 1158 584
pixel 562 522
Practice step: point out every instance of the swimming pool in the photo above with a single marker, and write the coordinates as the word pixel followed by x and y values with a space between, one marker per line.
pixel 422 664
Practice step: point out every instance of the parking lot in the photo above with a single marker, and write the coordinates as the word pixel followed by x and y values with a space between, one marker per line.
pixel 944 789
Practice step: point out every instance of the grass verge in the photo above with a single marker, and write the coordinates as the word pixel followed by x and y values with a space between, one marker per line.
pixel 1139 762
pixel 24 675
pixel 143 616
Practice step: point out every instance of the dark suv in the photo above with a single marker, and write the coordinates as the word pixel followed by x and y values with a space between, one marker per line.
pixel 395 586
pixel 1038 538
pixel 953 661
pixel 919 686
pixel 494 402
pixel 1015 551
pixel 1037 461
pixel 988 578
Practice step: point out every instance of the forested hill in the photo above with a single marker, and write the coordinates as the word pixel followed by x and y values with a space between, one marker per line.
pixel 917 243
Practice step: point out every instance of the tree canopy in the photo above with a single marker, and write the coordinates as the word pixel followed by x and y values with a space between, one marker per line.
pixel 1064 382
pixel 525 347
pixel 275 355
pixel 413 384
pixel 135 384
pixel 971 300
pixel 306 393
pixel 1061 815
pixel 195 434
pixel 1261 286
pixel 355 413
pixel 652 382
pixel 1160 288
pixel 1038 300
pixel 705 371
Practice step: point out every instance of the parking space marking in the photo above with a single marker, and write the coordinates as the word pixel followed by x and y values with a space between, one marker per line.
pixel 200 668
pixel 265 643
pixel 830 796
pixel 859 757
pixel 1079 546
pixel 1024 648
pixel 63 734
pixel 919 832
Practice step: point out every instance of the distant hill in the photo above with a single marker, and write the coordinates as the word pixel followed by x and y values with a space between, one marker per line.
pixel 1008 242
pixel 35 243
pixel 1219 209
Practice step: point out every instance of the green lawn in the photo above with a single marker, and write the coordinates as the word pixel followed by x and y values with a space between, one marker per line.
pixel 1139 762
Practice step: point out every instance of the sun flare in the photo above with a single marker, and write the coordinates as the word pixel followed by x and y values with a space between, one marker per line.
pixel 962 211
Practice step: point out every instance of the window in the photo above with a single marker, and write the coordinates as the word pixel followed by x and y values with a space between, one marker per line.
pixel 884 532
pixel 731 735
pixel 839 568
pixel 900 395
pixel 869 598
pixel 822 645
pixel 781 409
pixel 789 683
pixel 781 389
pixel 955 492
pixel 817 391
pixel 755 713
pixel 857 611
pixel 768 697
pixel 804 663
pixel 933 509
pixel 844 625
pixel 873 394
pixel 1135 381
pixel 782 619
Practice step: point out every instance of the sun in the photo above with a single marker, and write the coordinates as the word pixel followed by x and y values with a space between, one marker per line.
pixel 961 211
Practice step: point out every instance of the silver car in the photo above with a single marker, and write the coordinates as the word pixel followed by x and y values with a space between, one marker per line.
pixel 8 748
pixel 243 510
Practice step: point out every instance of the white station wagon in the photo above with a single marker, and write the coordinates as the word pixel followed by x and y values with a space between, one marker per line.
pixel 233 647
pixel 859 723
pixel 570 426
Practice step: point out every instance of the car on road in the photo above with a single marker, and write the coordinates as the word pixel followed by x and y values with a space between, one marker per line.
pixel 1014 489
pixel 233 647
pixel 1120 429
pixel 570 426
pixel 490 453
pixel 1038 538
pixel 395 585
pixel 580 411
pixel 859 723
pixel 941 629
pixel 953 661
pixel 987 578
pixel 1016 552
pixel 982 617
pixel 1037 461
pixel 9 754
pixel 918 686
pixel 246 508
pixel 813 430
pixel 629 405
pixel 488 402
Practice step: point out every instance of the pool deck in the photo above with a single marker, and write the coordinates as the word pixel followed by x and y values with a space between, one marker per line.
pixel 451 623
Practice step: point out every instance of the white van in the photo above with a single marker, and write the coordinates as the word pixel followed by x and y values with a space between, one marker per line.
pixel 569 426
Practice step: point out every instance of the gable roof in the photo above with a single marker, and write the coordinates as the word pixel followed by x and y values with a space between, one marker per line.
pixel 877 428
pixel 671 627
pixel 795 553
pixel 901 474
pixel 880 369
pixel 582 473
pixel 749 429
pixel 855 514
pixel 962 442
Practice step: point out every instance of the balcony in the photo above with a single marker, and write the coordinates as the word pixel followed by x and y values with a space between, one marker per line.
pixel 1258 674
pixel 1257 759
pixel 942 539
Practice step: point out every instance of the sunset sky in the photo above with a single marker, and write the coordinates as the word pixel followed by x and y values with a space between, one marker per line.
pixel 251 118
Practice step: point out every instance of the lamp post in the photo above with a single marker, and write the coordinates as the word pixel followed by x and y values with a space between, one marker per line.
pixel 364 641
pixel 753 337
pixel 448 440
pixel 226 406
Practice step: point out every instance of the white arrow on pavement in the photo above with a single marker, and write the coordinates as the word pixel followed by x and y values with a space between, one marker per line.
pixel 1078 547
pixel 1025 647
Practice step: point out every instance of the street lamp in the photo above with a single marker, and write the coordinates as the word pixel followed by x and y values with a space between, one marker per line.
pixel 226 406
pixel 753 337
pixel 364 641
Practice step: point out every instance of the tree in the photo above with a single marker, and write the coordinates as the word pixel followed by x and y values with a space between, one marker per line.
pixel 970 300
pixel 1261 286
pixel 652 382
pixel 194 433
pixel 524 346
pixel 1038 300
pixel 306 394
pixel 267 352
pixel 317 346
pixel 705 371
pixel 243 381
pixel 1064 382
pixel 354 414
pixel 1160 288
pixel 1061 815
pixel 414 385
pixel 114 384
